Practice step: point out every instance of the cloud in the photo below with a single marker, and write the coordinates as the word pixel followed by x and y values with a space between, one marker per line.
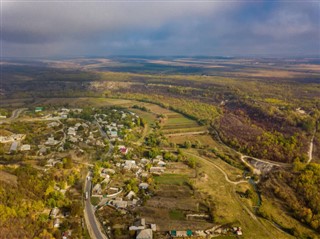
pixel 53 28
pixel 284 23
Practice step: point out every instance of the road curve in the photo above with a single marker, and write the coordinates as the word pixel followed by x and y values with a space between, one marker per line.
pixel 219 168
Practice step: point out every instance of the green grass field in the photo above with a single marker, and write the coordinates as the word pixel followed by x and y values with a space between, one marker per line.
pixel 176 215
pixel 173 179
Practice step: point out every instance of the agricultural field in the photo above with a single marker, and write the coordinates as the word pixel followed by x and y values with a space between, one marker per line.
pixel 174 198
pixel 176 123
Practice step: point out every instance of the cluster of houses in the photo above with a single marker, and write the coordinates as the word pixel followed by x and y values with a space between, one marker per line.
pixel 221 230
pixel 54 215
pixel 11 138
pixel 115 197
pixel 216 230
pixel 15 140
pixel 72 132
pixel 57 216
pixel 15 146
pixel 62 113
pixel 52 162
pixel 112 128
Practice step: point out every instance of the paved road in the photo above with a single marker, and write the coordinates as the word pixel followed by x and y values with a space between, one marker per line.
pixel 105 136
pixel 91 221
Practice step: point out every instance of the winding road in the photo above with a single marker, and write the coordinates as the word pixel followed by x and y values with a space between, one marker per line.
pixel 244 207
pixel 243 157
pixel 219 168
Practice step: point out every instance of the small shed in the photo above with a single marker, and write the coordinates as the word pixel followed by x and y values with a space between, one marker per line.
pixel 38 109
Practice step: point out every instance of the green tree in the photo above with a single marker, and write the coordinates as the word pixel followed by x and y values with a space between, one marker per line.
pixel 187 144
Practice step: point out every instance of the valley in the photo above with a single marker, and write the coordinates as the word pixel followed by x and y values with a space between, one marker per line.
pixel 221 155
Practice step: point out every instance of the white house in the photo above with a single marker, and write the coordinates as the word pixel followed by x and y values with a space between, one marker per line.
pixel 143 186
pixel 144 234
pixel 25 147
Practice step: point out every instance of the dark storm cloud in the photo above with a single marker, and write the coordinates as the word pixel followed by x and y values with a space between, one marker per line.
pixel 53 28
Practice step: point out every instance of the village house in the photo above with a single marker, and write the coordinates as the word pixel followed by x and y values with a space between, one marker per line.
pixel 65 110
pixel 73 139
pixel 51 162
pixel 131 195
pixel 66 234
pixel 51 141
pixel 38 109
pixel 72 131
pixel 84 125
pixel 108 170
pixel 237 230
pixel 53 124
pixel 103 174
pixel 25 147
pixel 156 170
pixel 144 161
pixel 129 164
pixel 113 134
pixel 42 150
pixel 138 225
pixel 153 227
pixel 11 138
pixel 161 163
pixel 106 180
pixel 97 189
pixel 143 186
pixel 132 203
pixel 54 212
pixel 56 223
pixel 14 146
pixel 123 149
pixel 144 234
pixel 63 116
pixel 119 203
pixel 76 110
pixel 159 157
pixel 144 175
pixel 186 233
pixel 77 125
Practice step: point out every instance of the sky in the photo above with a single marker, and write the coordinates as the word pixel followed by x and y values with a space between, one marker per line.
pixel 57 28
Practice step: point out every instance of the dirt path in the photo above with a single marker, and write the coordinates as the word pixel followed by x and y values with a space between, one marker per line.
pixel 16 113
pixel 144 134
pixel 219 168
pixel 244 207
pixel 311 145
